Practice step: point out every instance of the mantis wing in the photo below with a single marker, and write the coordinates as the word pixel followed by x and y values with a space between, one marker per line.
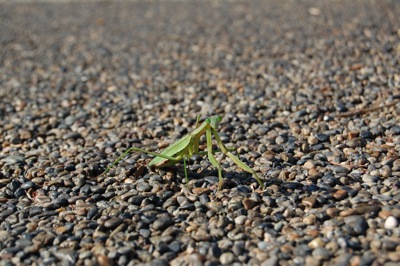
pixel 178 149
pixel 172 150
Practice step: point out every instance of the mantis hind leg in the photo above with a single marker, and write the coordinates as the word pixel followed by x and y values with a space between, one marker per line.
pixel 212 159
pixel 185 169
pixel 235 159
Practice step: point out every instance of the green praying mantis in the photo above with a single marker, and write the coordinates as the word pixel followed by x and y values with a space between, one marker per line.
pixel 188 146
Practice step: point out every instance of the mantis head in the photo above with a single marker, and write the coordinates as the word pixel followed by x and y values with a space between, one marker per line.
pixel 214 121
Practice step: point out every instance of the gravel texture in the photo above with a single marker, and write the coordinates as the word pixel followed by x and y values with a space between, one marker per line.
pixel 309 92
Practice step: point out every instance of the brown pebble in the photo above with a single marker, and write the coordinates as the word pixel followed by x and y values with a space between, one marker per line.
pixel 163 144
pixel 31 249
pixel 386 172
pixel 309 165
pixel 61 230
pixel 366 208
pixel 309 202
pixel 3 200
pixel 286 248
pixel 292 236
pixel 384 214
pixel 312 140
pixel 103 260
pixel 353 134
pixel 284 175
pixel 287 230
pixel 24 134
pixel 356 142
pixel 332 246
pixel 248 203
pixel 99 234
pixel 355 261
pixel 31 226
pixel 69 218
pixel 346 213
pixel 327 230
pixel 340 194
pixel 313 172
pixel 332 212
pixel 356 66
pixel 201 190
pixel 215 206
pixel 274 188
pixel 310 219
pixel 394 256
pixel 312 232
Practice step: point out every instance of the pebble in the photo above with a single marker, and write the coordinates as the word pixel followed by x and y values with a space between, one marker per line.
pixel 13 159
pixel 66 255
pixel 341 194
pixel 332 212
pixel 113 222
pixel 391 223
pixel 227 258
pixel 162 223
pixel 315 243
pixel 337 169
pixel 309 202
pixel 305 108
pixel 248 203
pixel 321 253
pixel 240 220
pixel 272 261
pixel 356 225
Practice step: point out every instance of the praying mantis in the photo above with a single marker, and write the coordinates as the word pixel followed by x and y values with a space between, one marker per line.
pixel 188 146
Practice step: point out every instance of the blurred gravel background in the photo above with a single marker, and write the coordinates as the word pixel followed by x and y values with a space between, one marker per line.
pixel 309 91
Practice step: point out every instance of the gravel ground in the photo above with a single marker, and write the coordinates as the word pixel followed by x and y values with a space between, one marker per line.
pixel 309 92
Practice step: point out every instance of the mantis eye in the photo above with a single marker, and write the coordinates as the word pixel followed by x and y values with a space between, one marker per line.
pixel 208 120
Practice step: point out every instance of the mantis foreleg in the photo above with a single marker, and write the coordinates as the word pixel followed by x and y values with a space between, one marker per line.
pixel 197 121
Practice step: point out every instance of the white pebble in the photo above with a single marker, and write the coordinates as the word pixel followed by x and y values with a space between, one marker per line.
pixel 391 222
pixel 240 219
